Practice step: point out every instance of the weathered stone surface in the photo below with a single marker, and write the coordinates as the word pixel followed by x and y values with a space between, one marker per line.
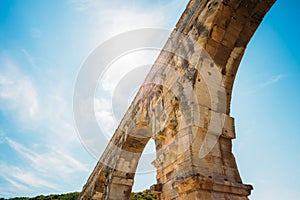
pixel 188 113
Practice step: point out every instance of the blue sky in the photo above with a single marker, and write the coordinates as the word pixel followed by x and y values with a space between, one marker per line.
pixel 42 47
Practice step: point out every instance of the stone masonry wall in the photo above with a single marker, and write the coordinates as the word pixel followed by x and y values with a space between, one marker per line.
pixel 184 106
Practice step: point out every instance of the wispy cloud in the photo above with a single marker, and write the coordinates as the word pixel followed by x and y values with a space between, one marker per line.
pixel 272 80
pixel 47 153
pixel 22 179
pixel 15 184
pixel 104 115
pixel 17 92
pixel 267 82
pixel 109 18
pixel 34 103
pixel 31 59
pixel 52 160
pixel 45 170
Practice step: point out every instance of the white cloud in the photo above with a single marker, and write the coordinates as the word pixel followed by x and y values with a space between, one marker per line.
pixel 23 179
pixel 104 116
pixel 47 171
pixel 31 180
pixel 50 145
pixel 53 160
pixel 17 185
pixel 36 104
pixel 109 18
pixel 17 92
pixel 14 184
pixel 125 19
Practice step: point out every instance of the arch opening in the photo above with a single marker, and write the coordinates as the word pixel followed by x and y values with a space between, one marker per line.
pixel 145 175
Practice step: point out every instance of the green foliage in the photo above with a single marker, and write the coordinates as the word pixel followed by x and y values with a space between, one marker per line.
pixel 145 195
pixel 68 196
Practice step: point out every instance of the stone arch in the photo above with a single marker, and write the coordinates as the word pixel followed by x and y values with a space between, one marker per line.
pixel 122 175
pixel 113 176
pixel 223 28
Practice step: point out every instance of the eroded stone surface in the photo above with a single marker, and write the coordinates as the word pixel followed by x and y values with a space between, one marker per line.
pixel 184 105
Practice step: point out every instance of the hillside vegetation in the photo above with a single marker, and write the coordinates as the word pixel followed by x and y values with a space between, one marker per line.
pixel 144 195
pixel 68 196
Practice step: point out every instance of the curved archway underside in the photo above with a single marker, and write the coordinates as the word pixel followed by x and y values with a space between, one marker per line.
pixel 189 122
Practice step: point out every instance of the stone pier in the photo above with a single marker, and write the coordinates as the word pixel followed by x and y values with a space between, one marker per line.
pixel 184 106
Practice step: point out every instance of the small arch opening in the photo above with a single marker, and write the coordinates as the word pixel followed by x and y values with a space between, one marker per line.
pixel 145 175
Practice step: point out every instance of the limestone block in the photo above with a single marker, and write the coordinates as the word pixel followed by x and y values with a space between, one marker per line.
pixel 97 196
pixel 232 33
pixel 122 181
pixel 156 188
pixel 211 47
pixel 218 34
pixel 228 130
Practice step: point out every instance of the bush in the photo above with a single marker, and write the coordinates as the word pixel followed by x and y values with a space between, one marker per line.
pixel 145 195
